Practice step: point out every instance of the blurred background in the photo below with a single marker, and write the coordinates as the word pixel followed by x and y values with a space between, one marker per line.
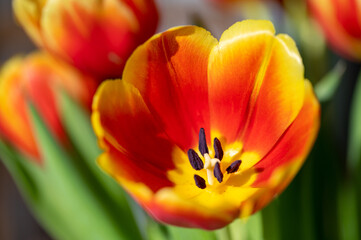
pixel 323 202
pixel 16 222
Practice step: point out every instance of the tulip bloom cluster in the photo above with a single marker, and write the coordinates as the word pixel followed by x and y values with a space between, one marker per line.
pixel 38 78
pixel 341 23
pixel 201 131
pixel 96 37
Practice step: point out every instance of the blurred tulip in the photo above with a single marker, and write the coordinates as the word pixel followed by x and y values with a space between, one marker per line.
pixel 234 1
pixel 38 78
pixel 341 23
pixel 246 91
pixel 224 1
pixel 97 37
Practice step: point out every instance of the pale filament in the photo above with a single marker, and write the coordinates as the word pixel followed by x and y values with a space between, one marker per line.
pixel 209 164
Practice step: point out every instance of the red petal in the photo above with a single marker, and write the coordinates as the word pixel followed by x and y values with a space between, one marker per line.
pixel 279 99
pixel 255 86
pixel 103 33
pixel 296 142
pixel 233 69
pixel 122 165
pixel 121 118
pixel 348 15
pixel 170 71
pixel 340 22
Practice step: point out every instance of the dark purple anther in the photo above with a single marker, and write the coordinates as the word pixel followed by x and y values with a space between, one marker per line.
pixel 234 166
pixel 200 182
pixel 218 149
pixel 217 172
pixel 202 145
pixel 195 160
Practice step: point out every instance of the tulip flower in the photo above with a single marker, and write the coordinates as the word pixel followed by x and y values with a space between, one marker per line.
pixel 341 23
pixel 38 78
pixel 201 131
pixel 96 37
pixel 224 1
pixel 235 1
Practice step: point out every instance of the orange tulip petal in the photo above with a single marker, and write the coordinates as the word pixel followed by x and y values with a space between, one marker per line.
pixel 296 142
pixel 170 71
pixel 122 165
pixel 43 77
pixel 340 21
pixel 28 13
pixel 168 208
pixel 38 78
pixel 14 122
pixel 255 86
pixel 146 13
pixel 90 25
pixel 233 69
pixel 97 37
pixel 120 117
pixel 279 99
pixel 347 13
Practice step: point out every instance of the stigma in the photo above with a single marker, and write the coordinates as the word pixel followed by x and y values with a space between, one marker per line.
pixel 211 165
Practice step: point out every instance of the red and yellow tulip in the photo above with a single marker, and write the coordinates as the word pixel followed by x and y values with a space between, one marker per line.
pixel 97 37
pixel 38 78
pixel 201 131
pixel 341 23
pixel 235 1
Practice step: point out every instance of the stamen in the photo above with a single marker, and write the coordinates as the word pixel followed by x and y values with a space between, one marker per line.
pixel 200 182
pixel 234 166
pixel 195 160
pixel 217 172
pixel 217 149
pixel 202 145
pixel 211 165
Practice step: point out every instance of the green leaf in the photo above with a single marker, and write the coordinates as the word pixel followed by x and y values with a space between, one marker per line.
pixel 250 228
pixel 354 146
pixel 26 173
pixel 223 233
pixel 328 85
pixel 29 178
pixel 178 233
pixel 69 197
pixel 254 227
pixel 271 222
pixel 140 216
pixel 347 212
pixel 77 123
pixel 78 126
pixel 156 231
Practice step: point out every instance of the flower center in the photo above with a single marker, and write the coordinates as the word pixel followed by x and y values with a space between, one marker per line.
pixel 211 165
